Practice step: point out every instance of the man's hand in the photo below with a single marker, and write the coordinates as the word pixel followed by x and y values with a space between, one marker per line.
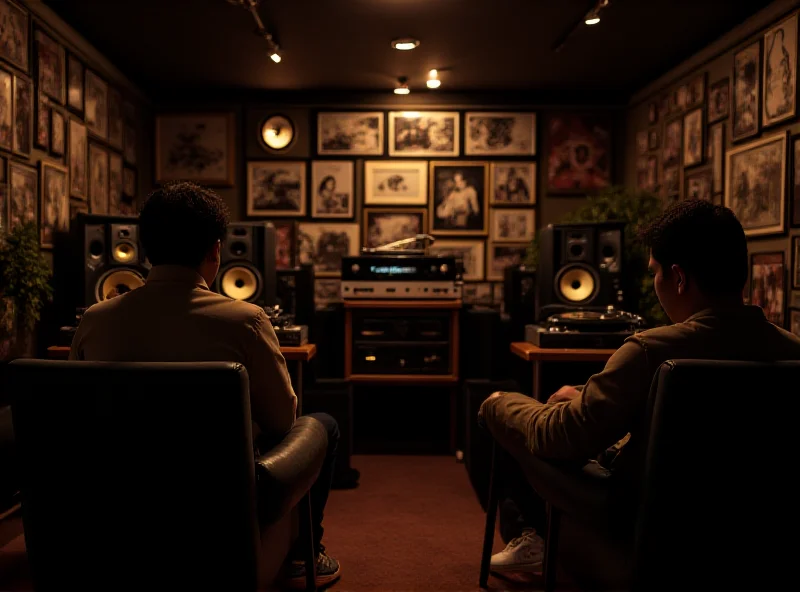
pixel 565 393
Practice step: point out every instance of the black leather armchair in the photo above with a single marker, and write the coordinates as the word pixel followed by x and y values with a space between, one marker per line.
pixel 142 475
pixel 714 495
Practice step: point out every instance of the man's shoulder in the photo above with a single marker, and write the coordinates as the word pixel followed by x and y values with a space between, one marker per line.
pixel 228 309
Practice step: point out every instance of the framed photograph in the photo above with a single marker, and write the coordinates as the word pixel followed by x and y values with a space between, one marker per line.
pixel 78 145
pixel 500 134
pixel 23 187
pixel 653 139
pixel 55 203
pixel 780 72
pixel 641 172
pixel 115 193
pixel 383 226
pixel 796 263
pixel 76 208
pixel 284 243
pixel 673 141
pixel 794 321
pixel 512 226
pixel 719 100
pixel 651 183
pixel 471 253
pixel 767 285
pixel 323 245
pixel 579 157
pixel 746 92
pixel 195 147
pixel 129 182
pixel 23 116
pixel 115 125
pixel 51 64
pixel 332 194
pixel 129 140
pixel 698 184
pixel 697 91
pixel 327 292
pixel 75 77
pixel 396 183
pixel 426 133
pixel 276 188
pixel 477 293
pixel 755 184
pixel 672 181
pixel 502 256
pixel 3 199
pixel 350 133
pixel 98 179
pixel 96 105
pixel 681 98
pixel 57 133
pixel 6 111
pixel 652 113
pixel 14 34
pixel 41 139
pixel 513 183
pixel 795 214
pixel 642 142
pixel 459 196
pixel 716 156
pixel 693 143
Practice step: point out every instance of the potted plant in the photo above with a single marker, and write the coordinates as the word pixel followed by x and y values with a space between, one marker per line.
pixel 24 288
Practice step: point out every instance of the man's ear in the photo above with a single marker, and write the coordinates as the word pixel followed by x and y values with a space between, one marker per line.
pixel 214 252
pixel 680 278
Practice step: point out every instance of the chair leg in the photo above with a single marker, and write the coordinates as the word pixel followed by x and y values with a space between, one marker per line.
pixel 307 531
pixel 491 517
pixel 551 548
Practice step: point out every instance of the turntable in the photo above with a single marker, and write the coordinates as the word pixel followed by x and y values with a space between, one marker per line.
pixel 585 328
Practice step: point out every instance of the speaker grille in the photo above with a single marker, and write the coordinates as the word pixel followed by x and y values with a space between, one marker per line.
pixel 240 282
pixel 116 282
pixel 577 284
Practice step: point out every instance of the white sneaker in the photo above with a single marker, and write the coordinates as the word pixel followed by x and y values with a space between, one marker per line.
pixel 524 554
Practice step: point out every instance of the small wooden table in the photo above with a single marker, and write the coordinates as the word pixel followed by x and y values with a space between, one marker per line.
pixel 535 354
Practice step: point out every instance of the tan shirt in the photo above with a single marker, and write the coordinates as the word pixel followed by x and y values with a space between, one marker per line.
pixel 174 317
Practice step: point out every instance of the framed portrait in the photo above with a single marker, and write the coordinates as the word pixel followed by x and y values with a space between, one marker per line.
pixel 129 182
pixel 115 193
pixel 383 225
pixel 284 243
pixel 650 180
pixel 680 99
pixel 323 244
pixel 504 255
pixel 672 181
pixel 698 184
pixel 697 91
pixel 767 285
pixel 327 292
pixel 98 179
pixel 477 293
pixel 579 157
pixel 14 34
pixel 779 70
pixel 641 142
pixel 57 133
pixel 6 111
pixel 129 150
pixel 715 153
pixel 693 144
pixel 653 139
pixel 664 106
pixel 755 184
pixel 350 133
pixel 459 196
pixel 195 147
pixel 673 141
pixel 513 183
pixel 746 92
pixel 719 100
pixel 54 214
pixel 23 188
pixel 75 77
pixel 78 146
pixel 76 208
pixel 115 125
pixel 396 183
pixel 96 105
pixel 794 321
pixel 41 137
pixel 332 194
pixel 471 253
pixel 796 263
pixel 51 66
pixel 425 133
pixel 276 188
pixel 652 113
pixel 641 172
pixel 512 226
pixel 500 134
pixel 23 116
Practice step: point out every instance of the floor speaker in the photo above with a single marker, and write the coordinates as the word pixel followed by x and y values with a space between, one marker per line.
pixel 247 263
pixel 295 293
pixel 519 293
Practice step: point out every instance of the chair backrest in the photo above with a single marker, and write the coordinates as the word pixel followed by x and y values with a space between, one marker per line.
pixel 136 475
pixel 717 489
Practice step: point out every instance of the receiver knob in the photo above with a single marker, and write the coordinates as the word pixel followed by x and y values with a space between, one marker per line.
pixel 355 268
pixel 443 268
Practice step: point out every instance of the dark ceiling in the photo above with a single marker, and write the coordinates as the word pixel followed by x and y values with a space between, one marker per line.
pixel 481 45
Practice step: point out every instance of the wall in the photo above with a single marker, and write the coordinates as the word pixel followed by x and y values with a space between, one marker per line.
pixel 717 61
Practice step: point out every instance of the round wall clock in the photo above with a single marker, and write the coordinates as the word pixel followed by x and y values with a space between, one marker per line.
pixel 277 132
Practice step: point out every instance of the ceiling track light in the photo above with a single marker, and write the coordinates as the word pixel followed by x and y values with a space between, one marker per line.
pixel 252 7
pixel 402 86
pixel 593 16
pixel 433 79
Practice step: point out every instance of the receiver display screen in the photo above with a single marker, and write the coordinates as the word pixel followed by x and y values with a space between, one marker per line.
pixel 392 270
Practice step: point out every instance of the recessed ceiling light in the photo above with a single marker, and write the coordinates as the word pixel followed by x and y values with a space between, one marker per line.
pixel 405 44
pixel 433 79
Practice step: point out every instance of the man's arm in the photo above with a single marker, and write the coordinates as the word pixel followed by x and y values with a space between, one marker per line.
pixel 75 350
pixel 582 427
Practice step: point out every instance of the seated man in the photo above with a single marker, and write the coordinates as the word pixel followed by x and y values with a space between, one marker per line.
pixel 174 317
pixel 698 257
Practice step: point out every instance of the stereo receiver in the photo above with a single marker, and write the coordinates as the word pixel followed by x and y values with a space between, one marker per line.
pixel 400 277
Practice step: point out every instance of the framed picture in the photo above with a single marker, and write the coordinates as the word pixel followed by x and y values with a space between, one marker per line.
pixel 513 183
pixel 323 245
pixel 673 141
pixel 276 188
pixel 641 142
pixel 502 256
pixel 693 138
pixel 57 133
pixel 795 215
pixel 796 263
pixel 767 285
pixel 75 77
pixel 471 254
pixel 41 138
pixel 498 295
pixel 652 114
pixel 512 226
pixel 672 181
pixel 396 183
pixel 794 321
pixel 129 182
pixel 98 179
pixel 500 134
pixel 55 203
pixel 459 196
pixel 426 133
pixel 719 100
pixel 23 187
pixel 697 91
pixel 746 92
pixel 14 34
pixel 76 208
pixel 579 156
pixel 51 63
pixel 115 125
pixel 78 145
pixel 6 111
pixel 3 198
pixel 284 243
pixel 383 226
pixel 755 184
pixel 332 194
pixel 350 133
pixel 115 193
pixel 129 151
pixel 477 293
pixel 327 292
pixel 641 172
pixel 651 182
pixel 780 72
pixel 195 147
pixel 653 139
pixel 96 105
pixel 23 116
pixel 715 153
pixel 698 184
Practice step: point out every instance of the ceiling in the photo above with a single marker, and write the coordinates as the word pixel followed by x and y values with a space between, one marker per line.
pixel 478 45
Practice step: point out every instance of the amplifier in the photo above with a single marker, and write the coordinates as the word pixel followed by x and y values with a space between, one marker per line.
pixel 400 277
pixel 292 336
pixel 544 338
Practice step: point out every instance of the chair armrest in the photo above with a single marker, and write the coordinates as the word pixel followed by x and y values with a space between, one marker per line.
pixel 286 472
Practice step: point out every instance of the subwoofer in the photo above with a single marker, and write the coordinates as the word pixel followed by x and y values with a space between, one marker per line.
pixel 247 263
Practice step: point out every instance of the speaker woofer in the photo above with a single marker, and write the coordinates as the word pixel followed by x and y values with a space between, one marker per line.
pixel 239 283
pixel 124 252
pixel 117 282
pixel 576 284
